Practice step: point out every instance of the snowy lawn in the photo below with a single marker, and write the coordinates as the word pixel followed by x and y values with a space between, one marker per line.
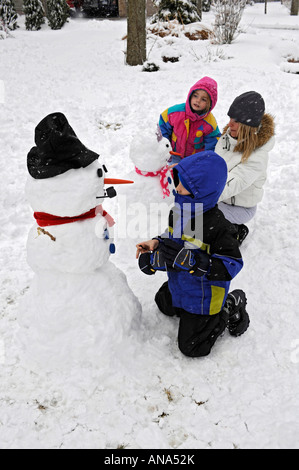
pixel 245 394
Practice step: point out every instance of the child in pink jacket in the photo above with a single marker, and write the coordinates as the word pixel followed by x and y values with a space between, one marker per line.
pixel 191 126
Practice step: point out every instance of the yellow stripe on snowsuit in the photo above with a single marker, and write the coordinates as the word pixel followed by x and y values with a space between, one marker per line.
pixel 198 243
pixel 217 298
pixel 187 125
pixel 195 241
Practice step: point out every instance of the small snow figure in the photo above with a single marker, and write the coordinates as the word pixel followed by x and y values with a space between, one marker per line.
pixel 153 190
pixel 150 154
pixel 34 13
pixel 79 307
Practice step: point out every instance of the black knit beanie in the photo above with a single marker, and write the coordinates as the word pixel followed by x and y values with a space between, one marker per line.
pixel 248 109
pixel 57 150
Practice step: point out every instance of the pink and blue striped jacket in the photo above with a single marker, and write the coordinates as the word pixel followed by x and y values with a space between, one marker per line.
pixel 188 131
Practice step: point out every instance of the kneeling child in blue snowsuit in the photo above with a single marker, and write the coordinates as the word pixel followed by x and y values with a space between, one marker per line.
pixel 201 255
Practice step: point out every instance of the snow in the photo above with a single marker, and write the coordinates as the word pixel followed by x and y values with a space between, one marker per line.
pixel 244 394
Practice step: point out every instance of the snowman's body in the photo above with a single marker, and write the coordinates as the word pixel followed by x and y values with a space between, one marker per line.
pixel 79 307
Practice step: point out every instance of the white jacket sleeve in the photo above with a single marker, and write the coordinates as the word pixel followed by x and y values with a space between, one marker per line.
pixel 247 174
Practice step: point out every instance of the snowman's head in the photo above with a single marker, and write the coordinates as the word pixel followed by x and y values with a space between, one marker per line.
pixel 149 151
pixel 66 178
pixel 71 193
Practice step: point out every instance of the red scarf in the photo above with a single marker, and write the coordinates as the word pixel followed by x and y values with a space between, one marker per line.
pixel 162 175
pixel 44 220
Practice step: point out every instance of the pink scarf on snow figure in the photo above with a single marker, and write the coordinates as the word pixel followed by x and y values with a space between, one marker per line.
pixel 162 175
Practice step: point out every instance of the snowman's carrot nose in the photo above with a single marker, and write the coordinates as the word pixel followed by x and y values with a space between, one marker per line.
pixel 174 153
pixel 116 181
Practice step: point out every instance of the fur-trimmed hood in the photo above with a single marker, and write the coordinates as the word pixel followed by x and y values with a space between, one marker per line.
pixel 267 130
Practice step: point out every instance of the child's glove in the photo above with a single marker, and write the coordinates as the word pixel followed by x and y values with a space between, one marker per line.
pixel 149 263
pixel 157 259
pixel 184 259
pixel 144 262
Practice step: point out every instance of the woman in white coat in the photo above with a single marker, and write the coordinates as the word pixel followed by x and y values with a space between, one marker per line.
pixel 245 145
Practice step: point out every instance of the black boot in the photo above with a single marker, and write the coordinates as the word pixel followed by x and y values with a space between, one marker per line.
pixel 242 232
pixel 238 319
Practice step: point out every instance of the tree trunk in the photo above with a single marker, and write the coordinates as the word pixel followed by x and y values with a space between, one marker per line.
pixel 44 2
pixel 136 27
pixel 199 8
pixel 295 7
pixel 265 7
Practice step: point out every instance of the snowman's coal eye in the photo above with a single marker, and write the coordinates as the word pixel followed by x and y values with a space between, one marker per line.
pixel 100 172
pixel 105 169
pixel 167 145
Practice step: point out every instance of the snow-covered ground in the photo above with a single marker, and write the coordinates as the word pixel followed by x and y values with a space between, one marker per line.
pixel 245 393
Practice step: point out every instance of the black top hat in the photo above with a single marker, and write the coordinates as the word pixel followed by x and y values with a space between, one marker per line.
pixel 57 150
pixel 248 109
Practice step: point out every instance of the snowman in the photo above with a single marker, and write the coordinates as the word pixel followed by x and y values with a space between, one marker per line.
pixel 79 311
pixel 143 211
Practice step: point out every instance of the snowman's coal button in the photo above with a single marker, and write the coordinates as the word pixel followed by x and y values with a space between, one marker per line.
pixel 112 248
pixel 111 192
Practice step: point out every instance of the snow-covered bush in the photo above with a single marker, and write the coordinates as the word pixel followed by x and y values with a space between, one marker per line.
pixel 34 14
pixel 58 13
pixel 228 14
pixel 8 15
pixel 2 31
pixel 206 5
pixel 210 54
pixel 185 11
pixel 291 65
pixel 150 67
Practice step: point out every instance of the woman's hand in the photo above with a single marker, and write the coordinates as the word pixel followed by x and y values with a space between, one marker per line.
pixel 144 247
